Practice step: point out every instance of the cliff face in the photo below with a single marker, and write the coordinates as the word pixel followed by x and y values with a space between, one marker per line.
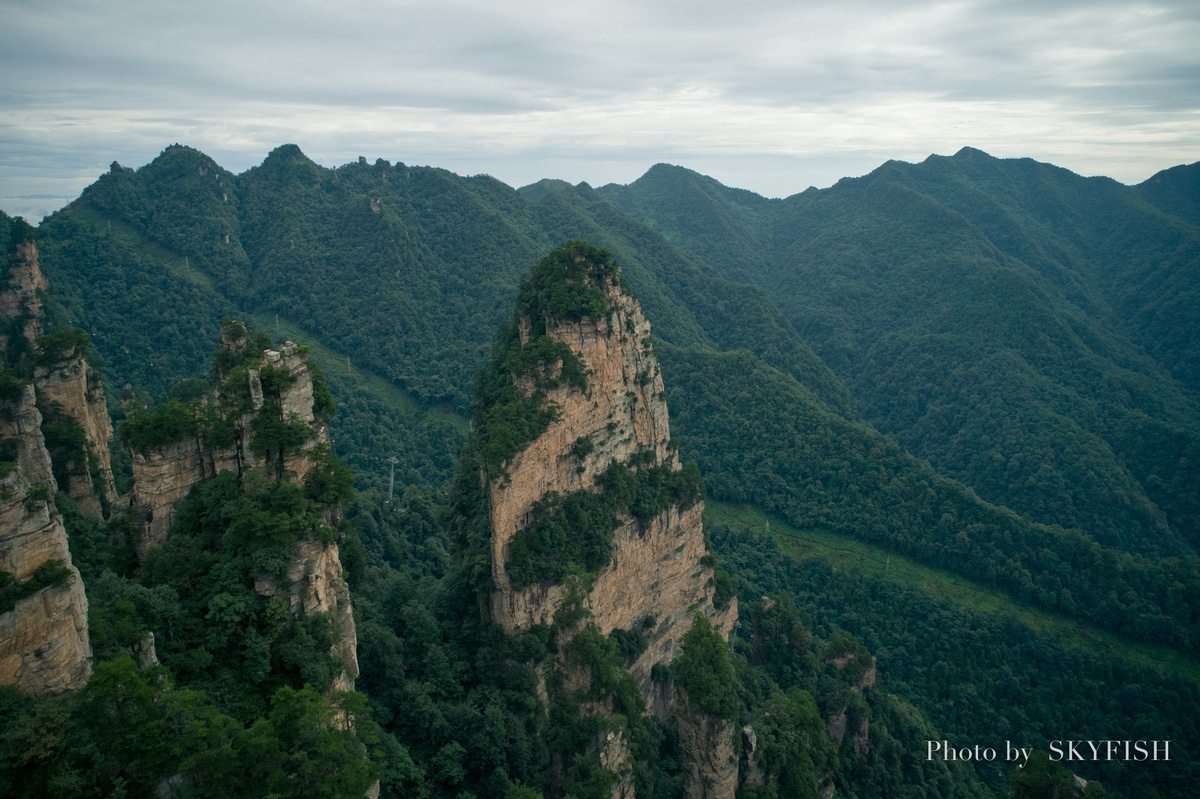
pixel 64 379
pixel 164 474
pixel 709 758
pixel 44 644
pixel 21 296
pixel 656 569
pixel 657 578
pixel 74 387
pixel 317 586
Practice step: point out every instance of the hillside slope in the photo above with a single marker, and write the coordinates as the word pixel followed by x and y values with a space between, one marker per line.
pixel 1028 331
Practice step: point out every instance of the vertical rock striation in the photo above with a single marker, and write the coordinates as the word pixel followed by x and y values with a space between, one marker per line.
pixel 71 386
pixel 709 758
pixel 165 473
pixel 657 569
pixel 316 585
pixel 21 297
pixel 657 578
pixel 44 645
pixel 65 381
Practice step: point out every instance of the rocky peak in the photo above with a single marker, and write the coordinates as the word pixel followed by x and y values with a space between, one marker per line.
pixel 67 386
pixel 44 644
pixel 265 408
pixel 594 500
pixel 70 386
pixel 263 415
pixel 656 578
pixel 23 287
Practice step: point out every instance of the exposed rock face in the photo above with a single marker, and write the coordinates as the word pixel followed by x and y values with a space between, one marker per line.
pixel 753 776
pixel 317 586
pixel 615 757
pixel 74 386
pixel 709 759
pixel 44 645
pixel 21 296
pixel 164 475
pixel 68 383
pixel 656 570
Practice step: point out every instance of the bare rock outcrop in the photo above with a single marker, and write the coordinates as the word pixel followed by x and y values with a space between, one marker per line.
pixel 21 296
pixel 44 645
pixel 316 585
pixel 165 473
pixel 657 570
pixel 658 577
pixel 73 387
pixel 65 380
pixel 709 758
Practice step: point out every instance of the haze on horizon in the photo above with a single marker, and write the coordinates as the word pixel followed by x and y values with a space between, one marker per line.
pixel 770 96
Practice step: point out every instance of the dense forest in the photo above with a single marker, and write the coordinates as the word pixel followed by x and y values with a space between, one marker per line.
pixel 987 367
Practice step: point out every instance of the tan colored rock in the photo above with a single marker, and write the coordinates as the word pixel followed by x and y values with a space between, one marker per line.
pixel 74 386
pixel 165 475
pixel 656 570
pixel 70 384
pixel 616 758
pixel 316 585
pixel 295 401
pixel 44 646
pixel 20 294
pixel 710 764
pixel 754 775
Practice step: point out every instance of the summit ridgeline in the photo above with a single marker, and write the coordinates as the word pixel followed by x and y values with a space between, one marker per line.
pixel 595 525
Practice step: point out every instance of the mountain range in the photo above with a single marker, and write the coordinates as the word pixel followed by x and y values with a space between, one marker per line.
pixel 986 369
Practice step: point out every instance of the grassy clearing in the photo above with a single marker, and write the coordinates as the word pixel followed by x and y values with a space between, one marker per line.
pixel 854 556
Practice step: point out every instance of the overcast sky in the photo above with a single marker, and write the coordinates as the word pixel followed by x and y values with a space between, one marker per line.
pixel 771 96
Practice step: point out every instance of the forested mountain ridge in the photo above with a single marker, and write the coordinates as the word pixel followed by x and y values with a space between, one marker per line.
pixel 1028 331
pixel 976 347
pixel 404 270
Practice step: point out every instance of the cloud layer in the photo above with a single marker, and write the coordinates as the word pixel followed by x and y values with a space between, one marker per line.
pixel 771 96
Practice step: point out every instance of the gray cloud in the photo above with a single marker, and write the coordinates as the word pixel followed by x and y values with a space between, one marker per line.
pixel 597 91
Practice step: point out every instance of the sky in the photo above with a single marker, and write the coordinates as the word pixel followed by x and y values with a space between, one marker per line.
pixel 768 95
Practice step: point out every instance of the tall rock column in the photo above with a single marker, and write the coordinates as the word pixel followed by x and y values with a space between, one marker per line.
pixel 657 578
pixel 71 386
pixel 44 644
pixel 657 570
pixel 67 385
pixel 272 381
